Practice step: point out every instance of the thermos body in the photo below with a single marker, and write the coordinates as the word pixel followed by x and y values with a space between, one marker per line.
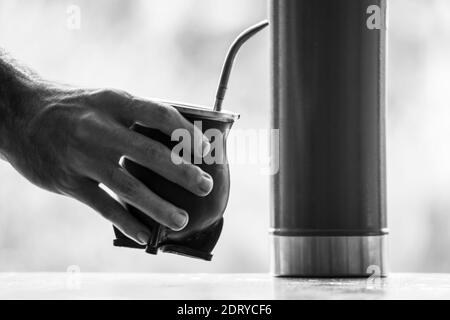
pixel 328 208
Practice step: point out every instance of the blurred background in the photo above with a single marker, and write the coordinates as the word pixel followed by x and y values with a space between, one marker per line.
pixel 174 49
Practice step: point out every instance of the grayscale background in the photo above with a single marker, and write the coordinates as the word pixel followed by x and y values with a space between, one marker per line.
pixel 174 49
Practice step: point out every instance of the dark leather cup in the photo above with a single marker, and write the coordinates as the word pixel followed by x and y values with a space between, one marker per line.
pixel 200 236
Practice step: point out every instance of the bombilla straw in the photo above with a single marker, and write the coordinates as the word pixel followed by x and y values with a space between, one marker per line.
pixel 231 55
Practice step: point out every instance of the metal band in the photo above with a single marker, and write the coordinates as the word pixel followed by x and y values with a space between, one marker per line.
pixel 200 111
pixel 328 256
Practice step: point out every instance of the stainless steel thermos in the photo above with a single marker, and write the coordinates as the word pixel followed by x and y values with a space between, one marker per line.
pixel 329 197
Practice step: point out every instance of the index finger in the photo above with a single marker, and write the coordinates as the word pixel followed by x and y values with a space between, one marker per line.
pixel 167 119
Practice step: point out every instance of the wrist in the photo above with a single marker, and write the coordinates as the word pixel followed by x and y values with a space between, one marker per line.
pixel 20 99
pixel 19 92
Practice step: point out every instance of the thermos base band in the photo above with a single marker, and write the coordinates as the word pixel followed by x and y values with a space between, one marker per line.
pixel 335 257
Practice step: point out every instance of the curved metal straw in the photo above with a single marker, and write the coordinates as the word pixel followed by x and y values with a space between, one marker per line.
pixel 231 55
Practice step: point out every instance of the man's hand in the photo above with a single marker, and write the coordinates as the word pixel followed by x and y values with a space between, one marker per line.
pixel 69 141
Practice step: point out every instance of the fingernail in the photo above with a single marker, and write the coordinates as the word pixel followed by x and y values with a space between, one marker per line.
pixel 206 183
pixel 180 220
pixel 206 147
pixel 143 237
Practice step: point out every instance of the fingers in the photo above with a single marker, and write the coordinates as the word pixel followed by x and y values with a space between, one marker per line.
pixel 100 201
pixel 138 195
pixel 158 158
pixel 167 119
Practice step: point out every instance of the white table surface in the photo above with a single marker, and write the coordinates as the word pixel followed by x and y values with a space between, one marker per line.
pixel 217 286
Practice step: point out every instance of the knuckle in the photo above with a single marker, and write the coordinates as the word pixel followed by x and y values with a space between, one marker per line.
pixel 189 174
pixel 92 130
pixel 111 101
pixel 86 126
pixel 110 174
pixel 152 151
pixel 109 95
pixel 164 114
pixel 125 185
pixel 158 213
pixel 114 216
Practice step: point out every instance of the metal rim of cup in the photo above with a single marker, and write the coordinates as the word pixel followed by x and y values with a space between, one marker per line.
pixel 202 112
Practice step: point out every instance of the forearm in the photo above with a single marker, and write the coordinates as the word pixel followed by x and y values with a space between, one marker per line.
pixel 19 90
